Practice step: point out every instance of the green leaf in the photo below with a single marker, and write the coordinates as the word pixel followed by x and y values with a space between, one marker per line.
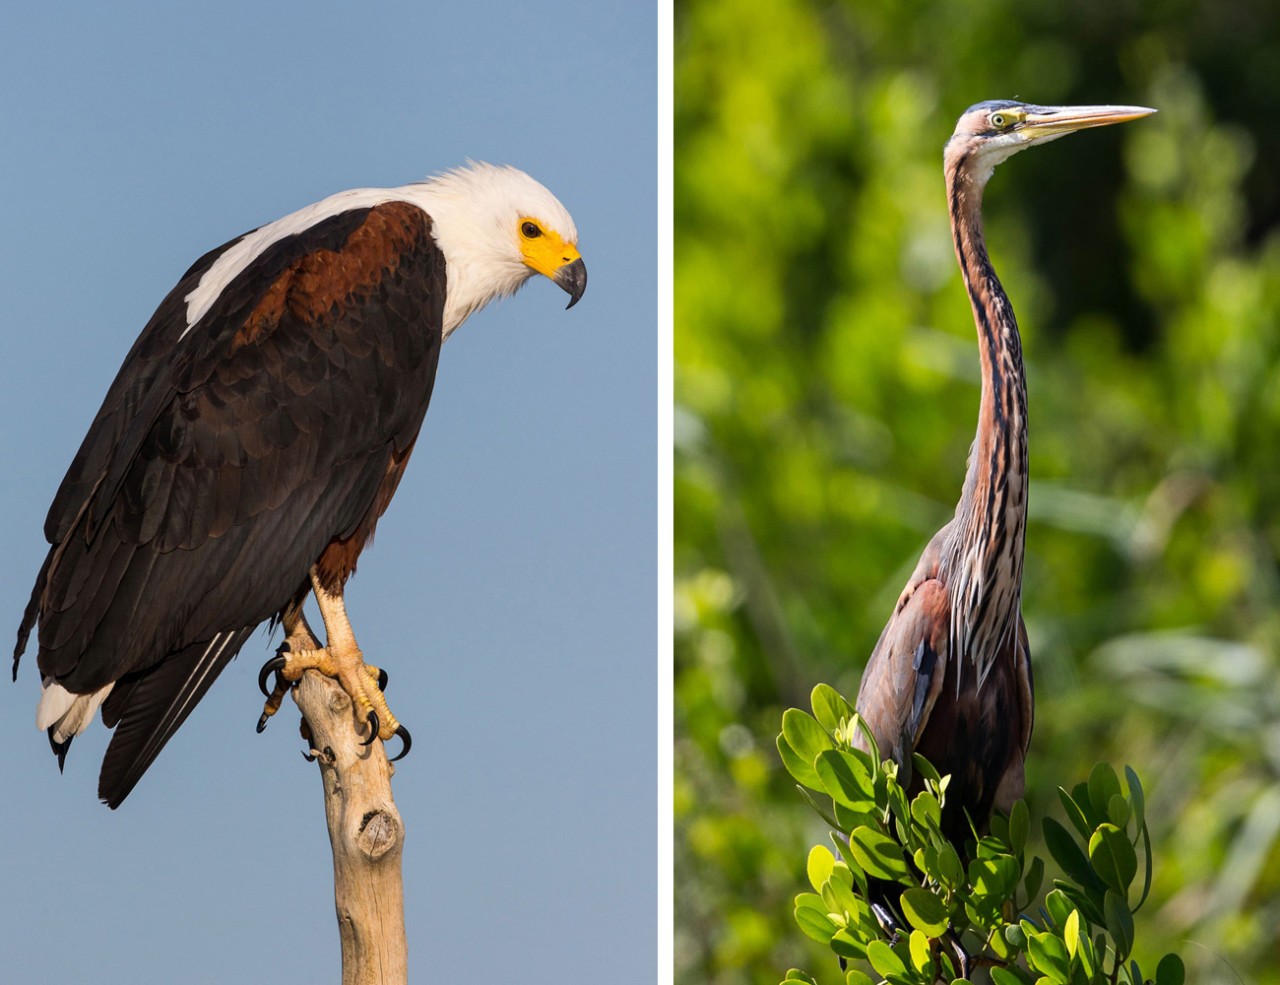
pixel 1170 971
pixel 848 946
pixel 796 975
pixel 811 917
pixel 999 945
pixel 1019 826
pixel 924 768
pixel 983 911
pixel 899 806
pixel 1113 858
pixel 926 860
pixel 1071 933
pixel 855 977
pixel 1137 799
pixel 1086 958
pixel 1119 923
pixel 819 866
pixel 1088 902
pixel 926 811
pixel 877 854
pixel 884 960
pixel 1118 812
pixel 806 738
pixel 873 747
pixel 846 853
pixel 1146 865
pixel 1067 853
pixel 817 808
pixel 1103 785
pixel 1047 954
pixel 925 911
pixel 848 819
pixel 1034 879
pixel 829 708
pixel 843 776
pixel 839 897
pixel 1015 935
pixel 802 770
pixel 994 877
pixel 950 868
pixel 1059 907
pixel 1004 976
pixel 920 956
pixel 1075 814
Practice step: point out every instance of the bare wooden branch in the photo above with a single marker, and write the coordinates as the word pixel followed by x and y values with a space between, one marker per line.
pixel 367 836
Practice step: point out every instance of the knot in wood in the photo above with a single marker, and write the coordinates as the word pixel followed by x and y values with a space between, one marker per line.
pixel 379 832
pixel 339 701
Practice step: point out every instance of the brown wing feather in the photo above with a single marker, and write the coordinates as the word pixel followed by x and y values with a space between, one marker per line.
pixel 903 678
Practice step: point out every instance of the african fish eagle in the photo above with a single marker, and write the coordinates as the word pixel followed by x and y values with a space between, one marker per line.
pixel 252 438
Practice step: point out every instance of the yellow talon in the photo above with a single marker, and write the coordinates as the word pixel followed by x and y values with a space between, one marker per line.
pixel 340 660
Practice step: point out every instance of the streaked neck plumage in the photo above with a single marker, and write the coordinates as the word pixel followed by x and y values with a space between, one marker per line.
pixel 982 561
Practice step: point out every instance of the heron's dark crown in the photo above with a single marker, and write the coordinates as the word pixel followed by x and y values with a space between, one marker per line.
pixel 994 104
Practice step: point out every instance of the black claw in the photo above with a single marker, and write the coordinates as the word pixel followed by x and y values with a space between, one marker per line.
pixel 276 664
pixel 308 757
pixel 383 679
pixel 406 739
pixel 262 723
pixel 373 729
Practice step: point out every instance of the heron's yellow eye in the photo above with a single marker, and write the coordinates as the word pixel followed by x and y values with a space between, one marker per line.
pixel 1005 119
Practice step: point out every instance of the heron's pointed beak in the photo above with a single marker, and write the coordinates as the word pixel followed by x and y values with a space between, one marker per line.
pixel 572 278
pixel 1048 122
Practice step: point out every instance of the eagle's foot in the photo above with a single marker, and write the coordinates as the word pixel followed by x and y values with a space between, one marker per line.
pixel 300 639
pixel 363 683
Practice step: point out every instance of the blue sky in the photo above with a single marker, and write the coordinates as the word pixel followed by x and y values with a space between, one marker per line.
pixel 511 590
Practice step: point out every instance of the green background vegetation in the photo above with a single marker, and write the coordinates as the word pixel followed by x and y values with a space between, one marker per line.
pixel 827 392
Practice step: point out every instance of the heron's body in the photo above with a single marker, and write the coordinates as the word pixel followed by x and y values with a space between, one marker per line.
pixel 253 437
pixel 951 675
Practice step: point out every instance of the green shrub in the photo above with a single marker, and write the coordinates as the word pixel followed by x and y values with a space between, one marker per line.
pixel 961 908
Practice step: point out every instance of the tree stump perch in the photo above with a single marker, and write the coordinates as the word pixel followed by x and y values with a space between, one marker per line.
pixel 366 833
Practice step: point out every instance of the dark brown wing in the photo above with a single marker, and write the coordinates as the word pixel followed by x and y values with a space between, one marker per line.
pixel 223 463
pixel 918 697
pixel 904 675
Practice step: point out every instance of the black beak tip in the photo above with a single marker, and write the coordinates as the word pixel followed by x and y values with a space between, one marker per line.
pixel 572 278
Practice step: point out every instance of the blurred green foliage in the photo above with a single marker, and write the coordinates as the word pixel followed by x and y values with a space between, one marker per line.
pixel 827 392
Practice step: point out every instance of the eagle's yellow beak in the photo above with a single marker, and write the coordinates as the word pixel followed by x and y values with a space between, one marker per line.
pixel 552 257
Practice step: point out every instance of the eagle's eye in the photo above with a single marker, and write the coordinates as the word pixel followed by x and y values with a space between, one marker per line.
pixel 531 230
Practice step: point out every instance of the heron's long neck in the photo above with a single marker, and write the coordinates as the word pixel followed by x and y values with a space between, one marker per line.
pixel 984 561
